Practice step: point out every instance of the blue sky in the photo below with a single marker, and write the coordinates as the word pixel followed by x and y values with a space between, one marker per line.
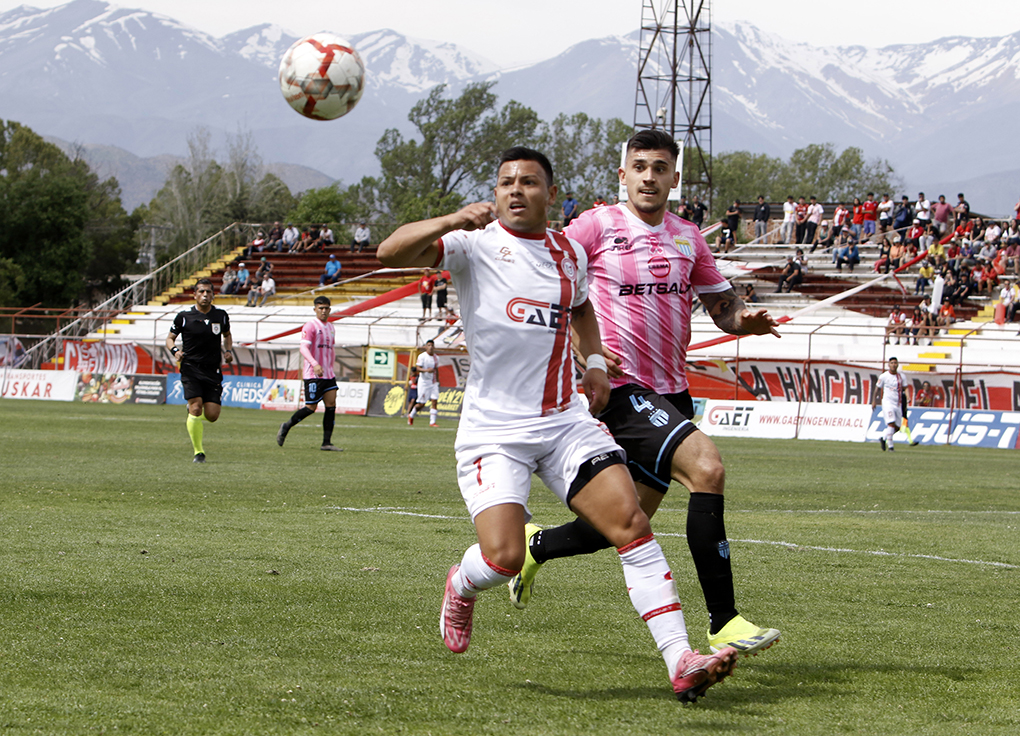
pixel 530 30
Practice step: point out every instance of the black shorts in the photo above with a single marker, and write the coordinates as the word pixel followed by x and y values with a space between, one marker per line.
pixel 204 384
pixel 317 388
pixel 441 299
pixel 426 301
pixel 649 427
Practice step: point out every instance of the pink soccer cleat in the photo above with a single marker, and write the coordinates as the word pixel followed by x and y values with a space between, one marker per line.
pixel 696 673
pixel 455 617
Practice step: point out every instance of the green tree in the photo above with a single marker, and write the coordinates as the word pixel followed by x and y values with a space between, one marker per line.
pixel 460 141
pixel 585 154
pixel 326 204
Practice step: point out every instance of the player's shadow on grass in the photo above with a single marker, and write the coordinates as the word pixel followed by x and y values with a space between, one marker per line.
pixel 771 683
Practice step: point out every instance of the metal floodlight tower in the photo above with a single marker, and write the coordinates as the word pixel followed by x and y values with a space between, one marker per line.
pixel 674 85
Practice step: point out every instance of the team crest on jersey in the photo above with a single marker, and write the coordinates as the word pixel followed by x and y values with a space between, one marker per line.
pixel 569 268
pixel 683 245
pixel 215 328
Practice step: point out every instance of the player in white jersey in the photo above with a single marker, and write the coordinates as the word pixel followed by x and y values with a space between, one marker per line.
pixel 521 287
pixel 644 264
pixel 317 341
pixel 428 384
pixel 890 387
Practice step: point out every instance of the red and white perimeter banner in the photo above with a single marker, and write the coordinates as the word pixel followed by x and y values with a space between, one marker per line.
pixel 101 357
pixel 46 385
pixel 785 420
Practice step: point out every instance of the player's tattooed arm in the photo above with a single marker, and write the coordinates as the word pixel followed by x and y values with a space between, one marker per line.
pixel 731 315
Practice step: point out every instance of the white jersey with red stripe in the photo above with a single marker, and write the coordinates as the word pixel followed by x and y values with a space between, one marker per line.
pixel 317 340
pixel 516 291
pixel 892 388
pixel 641 279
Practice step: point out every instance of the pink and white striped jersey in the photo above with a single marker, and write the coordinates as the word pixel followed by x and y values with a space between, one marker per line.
pixel 641 279
pixel 317 339
pixel 516 291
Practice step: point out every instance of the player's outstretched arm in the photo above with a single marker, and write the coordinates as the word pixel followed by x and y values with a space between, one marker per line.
pixel 414 245
pixel 595 381
pixel 731 315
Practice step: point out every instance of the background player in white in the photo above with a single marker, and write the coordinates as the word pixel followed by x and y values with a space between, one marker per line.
pixel 428 384
pixel 206 343
pixel 520 287
pixel 317 348
pixel 644 263
pixel 890 387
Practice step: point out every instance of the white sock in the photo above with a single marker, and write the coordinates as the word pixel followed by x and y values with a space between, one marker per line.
pixel 889 434
pixel 653 593
pixel 414 410
pixel 433 415
pixel 477 573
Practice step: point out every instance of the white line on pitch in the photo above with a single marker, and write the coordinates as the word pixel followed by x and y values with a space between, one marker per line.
pixel 789 545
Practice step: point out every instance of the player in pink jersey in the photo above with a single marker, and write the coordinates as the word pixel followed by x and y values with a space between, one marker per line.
pixel 644 264
pixel 521 287
pixel 317 340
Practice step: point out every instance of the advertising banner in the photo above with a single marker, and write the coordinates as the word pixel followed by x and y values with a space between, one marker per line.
pixel 45 385
pixel 283 394
pixel 120 388
pixel 774 419
pixel 388 400
pixel 963 428
pixel 102 357
pixel 352 398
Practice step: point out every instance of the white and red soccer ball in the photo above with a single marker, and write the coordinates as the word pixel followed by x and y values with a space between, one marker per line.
pixel 322 76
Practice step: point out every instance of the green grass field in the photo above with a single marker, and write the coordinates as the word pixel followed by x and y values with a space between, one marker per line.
pixel 292 591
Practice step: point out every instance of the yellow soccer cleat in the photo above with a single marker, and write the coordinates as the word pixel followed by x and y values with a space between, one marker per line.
pixel 743 636
pixel 522 583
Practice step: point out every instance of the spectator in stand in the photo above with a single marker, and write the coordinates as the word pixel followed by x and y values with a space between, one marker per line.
pixel 426 285
pixel 599 202
pixel 814 219
pixel 947 315
pixel 839 220
pixel 264 290
pixel 885 211
pixel 786 230
pixel 936 251
pixel 332 271
pixel 928 240
pixel 362 238
pixel 925 275
pixel 275 237
pixel 304 245
pixel 291 238
pixel 570 210
pixel 791 275
pixel 961 210
pixel 441 290
pixel 986 277
pixel 241 284
pixel 857 218
pixel 988 251
pixel 800 217
pixel 724 240
pixel 922 210
pixel 750 297
pixel 993 234
pixel 1010 297
pixel 762 213
pixel 325 239
pixel 914 235
pixel 882 261
pixel 849 254
pixel 265 267
pixel 257 244
pixel 697 210
pixel 1011 256
pixel 897 253
pixel 903 215
pixel 927 396
pixel 823 236
pixel 682 210
pixel 229 285
pixel 870 209
pixel 733 218
pixel 941 213
pixel 917 325
pixel 802 260
pixel 896 326
pixel 977 229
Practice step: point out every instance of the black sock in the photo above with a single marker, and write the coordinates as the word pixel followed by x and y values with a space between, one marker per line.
pixel 575 538
pixel 706 537
pixel 304 411
pixel 327 425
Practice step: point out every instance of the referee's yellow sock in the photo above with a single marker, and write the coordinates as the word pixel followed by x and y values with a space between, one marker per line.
pixel 195 432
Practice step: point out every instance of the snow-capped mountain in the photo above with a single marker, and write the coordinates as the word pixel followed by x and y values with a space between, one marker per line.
pixel 95 73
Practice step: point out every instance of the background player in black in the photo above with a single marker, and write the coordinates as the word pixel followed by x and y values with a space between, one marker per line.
pixel 205 334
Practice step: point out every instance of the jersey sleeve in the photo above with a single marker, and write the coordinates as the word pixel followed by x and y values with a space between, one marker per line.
pixel 307 340
pixel 454 250
pixel 705 275
pixel 226 324
pixel 178 326
pixel 581 284
pixel 585 230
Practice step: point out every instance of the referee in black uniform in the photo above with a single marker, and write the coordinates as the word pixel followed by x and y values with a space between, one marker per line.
pixel 205 333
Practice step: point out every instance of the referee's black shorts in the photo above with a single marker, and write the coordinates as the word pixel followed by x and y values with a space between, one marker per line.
pixel 649 427
pixel 204 384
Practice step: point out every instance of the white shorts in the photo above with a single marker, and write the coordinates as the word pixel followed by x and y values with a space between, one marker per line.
pixel 892 414
pixel 494 464
pixel 427 391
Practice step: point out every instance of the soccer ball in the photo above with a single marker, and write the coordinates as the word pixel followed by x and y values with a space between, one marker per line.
pixel 322 76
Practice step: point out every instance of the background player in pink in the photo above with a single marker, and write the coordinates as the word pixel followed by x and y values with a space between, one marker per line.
pixel 317 340
pixel 521 287
pixel 644 262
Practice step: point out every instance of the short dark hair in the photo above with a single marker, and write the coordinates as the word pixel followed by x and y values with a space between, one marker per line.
pixel 204 281
pixel 433 342
pixel 653 140
pixel 322 300
pixel 523 153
